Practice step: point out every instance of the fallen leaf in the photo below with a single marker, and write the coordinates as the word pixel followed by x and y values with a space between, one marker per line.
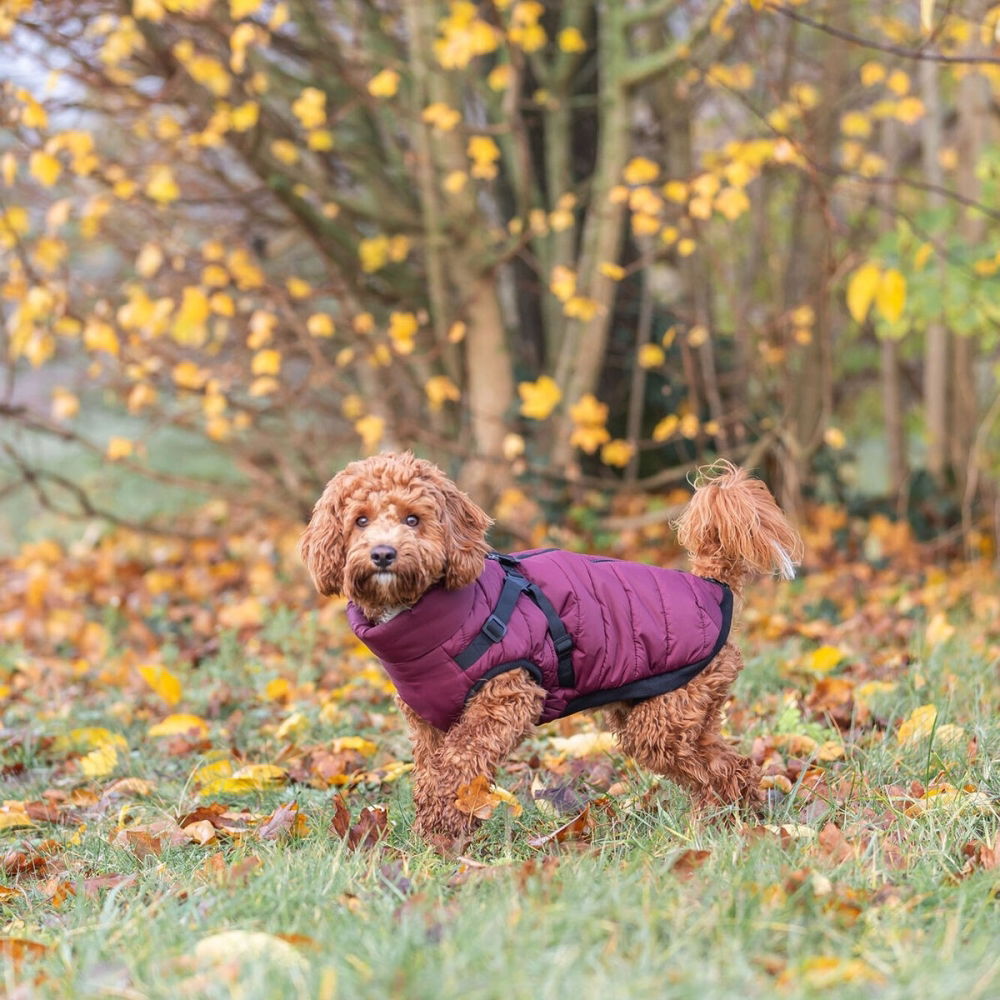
pixel 280 823
pixel 833 844
pixel 240 947
pixel 579 828
pixel 179 724
pixel 140 843
pixel 688 861
pixel 19 950
pixel 371 827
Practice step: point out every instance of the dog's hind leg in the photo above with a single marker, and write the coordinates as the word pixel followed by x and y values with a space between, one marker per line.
pixel 677 735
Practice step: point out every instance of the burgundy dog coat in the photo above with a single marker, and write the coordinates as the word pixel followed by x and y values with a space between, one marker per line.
pixel 587 629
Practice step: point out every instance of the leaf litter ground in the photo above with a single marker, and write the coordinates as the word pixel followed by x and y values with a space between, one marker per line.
pixel 205 794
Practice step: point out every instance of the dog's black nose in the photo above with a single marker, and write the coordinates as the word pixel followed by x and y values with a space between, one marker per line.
pixel 383 556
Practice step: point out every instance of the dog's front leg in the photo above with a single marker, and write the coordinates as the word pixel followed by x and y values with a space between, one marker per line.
pixel 425 740
pixel 494 722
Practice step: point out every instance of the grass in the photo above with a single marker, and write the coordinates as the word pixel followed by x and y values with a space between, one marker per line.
pixel 611 916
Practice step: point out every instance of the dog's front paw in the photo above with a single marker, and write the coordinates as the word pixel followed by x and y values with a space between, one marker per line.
pixel 438 820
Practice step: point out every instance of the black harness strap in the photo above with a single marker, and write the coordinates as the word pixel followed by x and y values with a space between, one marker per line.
pixel 495 627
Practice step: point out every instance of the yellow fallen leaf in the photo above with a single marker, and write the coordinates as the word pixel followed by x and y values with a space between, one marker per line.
pixel 358 743
pixel 101 762
pixel 213 771
pixel 918 726
pixel 824 659
pixel 180 724
pixel 14 818
pixel 292 727
pixel 938 630
pixel 246 946
pixel 163 682
pixel 585 744
pixel 88 737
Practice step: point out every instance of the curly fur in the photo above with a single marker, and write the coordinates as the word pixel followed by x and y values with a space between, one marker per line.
pixel 732 529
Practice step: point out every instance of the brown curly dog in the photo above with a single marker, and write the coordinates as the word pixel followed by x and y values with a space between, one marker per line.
pixel 482 647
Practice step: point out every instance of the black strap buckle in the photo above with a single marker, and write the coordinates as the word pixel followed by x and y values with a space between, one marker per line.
pixel 563 644
pixel 494 628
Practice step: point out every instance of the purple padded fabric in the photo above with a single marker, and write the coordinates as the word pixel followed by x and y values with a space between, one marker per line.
pixel 637 630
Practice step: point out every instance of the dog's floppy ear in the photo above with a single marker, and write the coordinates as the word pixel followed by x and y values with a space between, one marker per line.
pixel 323 546
pixel 465 524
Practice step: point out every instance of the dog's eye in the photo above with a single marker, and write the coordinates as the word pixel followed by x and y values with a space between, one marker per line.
pixel 362 522
pixel 412 520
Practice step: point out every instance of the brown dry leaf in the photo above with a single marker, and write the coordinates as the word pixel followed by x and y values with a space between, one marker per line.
pixel 92 886
pixel 688 861
pixel 141 843
pixel 201 832
pixel 281 822
pixel 833 844
pixel 371 827
pixel 340 824
pixel 981 855
pixel 477 798
pixel 215 869
pixel 18 950
pixel 579 828
pixel 29 861
pixel 57 891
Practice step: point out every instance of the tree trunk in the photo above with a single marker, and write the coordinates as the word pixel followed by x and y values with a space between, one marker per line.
pixel 936 350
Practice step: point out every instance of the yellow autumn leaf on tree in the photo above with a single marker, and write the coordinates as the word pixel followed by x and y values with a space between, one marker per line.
pixel 267 362
pixel 484 153
pixel 667 427
pixel 384 84
pixel 617 453
pixel 441 116
pixel 44 167
pixel 562 284
pixel 65 404
pixel 651 356
pixel 539 398
pixel 166 684
pixel 118 447
pixel 310 107
pixel 890 296
pixel 640 170
pixel 370 429
pixel 440 390
pixel 403 328
pixel 571 40
pixel 861 290
pixel 243 8
pixel 589 417
pixel 320 325
pixel 161 186
pixel 188 375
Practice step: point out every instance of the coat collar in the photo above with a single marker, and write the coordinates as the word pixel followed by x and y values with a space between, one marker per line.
pixel 434 619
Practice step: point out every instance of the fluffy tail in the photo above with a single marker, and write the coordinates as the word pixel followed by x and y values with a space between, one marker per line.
pixel 733 529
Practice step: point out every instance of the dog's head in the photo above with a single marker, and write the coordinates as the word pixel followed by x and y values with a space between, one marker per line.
pixel 389 527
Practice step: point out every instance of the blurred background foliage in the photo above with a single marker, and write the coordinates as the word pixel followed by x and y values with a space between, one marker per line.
pixel 569 250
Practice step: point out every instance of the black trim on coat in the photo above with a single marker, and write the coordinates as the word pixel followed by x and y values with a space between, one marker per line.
pixel 649 687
